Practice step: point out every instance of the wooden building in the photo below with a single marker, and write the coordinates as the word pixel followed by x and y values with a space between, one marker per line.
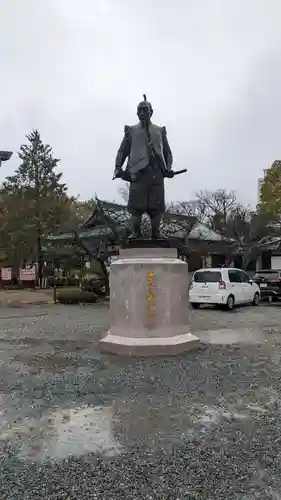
pixel 108 225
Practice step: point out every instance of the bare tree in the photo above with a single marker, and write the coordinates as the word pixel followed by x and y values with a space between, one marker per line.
pixel 214 207
pixel 95 254
pixel 248 231
pixel 124 192
pixel 182 208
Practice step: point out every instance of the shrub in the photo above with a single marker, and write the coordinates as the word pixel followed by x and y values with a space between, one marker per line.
pixel 94 284
pixel 75 296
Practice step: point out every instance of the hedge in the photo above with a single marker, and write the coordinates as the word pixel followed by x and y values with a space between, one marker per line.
pixel 75 296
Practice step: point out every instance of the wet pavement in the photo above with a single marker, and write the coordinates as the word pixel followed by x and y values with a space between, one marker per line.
pixel 77 424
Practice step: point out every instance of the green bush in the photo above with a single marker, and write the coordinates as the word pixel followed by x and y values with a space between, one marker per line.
pixel 91 282
pixel 94 284
pixel 75 296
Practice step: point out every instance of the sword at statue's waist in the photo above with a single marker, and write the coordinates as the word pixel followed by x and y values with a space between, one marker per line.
pixel 178 172
pixel 171 173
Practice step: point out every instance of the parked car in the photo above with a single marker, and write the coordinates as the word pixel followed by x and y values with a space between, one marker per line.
pixel 225 287
pixel 269 281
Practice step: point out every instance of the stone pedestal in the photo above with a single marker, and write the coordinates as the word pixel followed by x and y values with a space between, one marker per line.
pixel 149 304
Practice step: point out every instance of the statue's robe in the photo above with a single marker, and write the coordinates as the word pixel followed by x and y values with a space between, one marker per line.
pixel 145 169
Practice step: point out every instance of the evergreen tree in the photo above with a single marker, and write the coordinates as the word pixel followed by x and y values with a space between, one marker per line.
pixel 36 174
pixel 33 201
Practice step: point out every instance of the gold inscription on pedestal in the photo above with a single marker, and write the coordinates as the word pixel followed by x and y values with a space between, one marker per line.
pixel 150 302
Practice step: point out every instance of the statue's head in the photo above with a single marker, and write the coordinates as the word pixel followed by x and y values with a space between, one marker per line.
pixel 144 110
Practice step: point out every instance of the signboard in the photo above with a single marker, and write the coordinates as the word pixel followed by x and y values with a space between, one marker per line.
pixel 28 274
pixel 6 273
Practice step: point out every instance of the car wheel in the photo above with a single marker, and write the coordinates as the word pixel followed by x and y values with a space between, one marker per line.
pixel 229 303
pixel 194 305
pixel 256 299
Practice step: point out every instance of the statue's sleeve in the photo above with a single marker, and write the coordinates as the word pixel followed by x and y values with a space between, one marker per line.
pixel 166 149
pixel 124 150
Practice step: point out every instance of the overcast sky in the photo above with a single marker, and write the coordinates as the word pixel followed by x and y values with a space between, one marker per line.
pixel 76 69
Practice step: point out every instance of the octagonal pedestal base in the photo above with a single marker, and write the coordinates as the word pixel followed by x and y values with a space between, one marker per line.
pixel 162 346
pixel 149 304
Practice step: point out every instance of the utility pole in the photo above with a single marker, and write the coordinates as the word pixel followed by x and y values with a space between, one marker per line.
pixel 38 222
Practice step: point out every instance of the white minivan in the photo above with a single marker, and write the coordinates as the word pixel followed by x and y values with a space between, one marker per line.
pixel 223 286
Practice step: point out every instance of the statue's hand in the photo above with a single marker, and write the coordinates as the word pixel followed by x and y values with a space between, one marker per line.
pixel 121 174
pixel 169 173
pixel 118 174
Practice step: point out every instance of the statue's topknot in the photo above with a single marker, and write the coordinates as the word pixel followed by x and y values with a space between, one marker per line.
pixel 146 102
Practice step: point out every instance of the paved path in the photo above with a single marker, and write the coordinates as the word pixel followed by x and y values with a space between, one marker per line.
pixel 75 424
pixel 19 298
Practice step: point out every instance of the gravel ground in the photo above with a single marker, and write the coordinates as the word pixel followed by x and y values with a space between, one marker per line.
pixel 76 424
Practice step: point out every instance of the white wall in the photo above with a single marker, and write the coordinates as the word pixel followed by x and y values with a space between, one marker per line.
pixel 276 262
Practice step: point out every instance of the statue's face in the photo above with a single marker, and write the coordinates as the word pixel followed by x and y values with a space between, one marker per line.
pixel 144 111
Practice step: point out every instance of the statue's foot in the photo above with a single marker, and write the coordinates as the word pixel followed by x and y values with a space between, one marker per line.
pixel 134 236
pixel 158 237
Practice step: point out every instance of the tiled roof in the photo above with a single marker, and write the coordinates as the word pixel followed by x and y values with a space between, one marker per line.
pixel 202 232
pixel 112 219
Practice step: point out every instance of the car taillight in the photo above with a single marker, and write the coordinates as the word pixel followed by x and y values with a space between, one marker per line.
pixel 191 285
pixel 222 285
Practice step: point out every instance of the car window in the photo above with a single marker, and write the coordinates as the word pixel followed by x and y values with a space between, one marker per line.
pixel 267 275
pixel 244 277
pixel 234 276
pixel 207 276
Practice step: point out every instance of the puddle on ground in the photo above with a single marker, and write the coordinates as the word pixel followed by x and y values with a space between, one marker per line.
pixel 63 433
pixel 165 425
pixel 228 336
pixel 161 422
pixel 212 416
